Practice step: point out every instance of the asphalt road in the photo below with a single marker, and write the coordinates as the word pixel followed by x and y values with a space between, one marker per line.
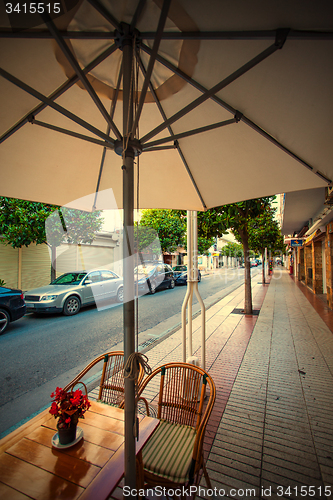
pixel 39 353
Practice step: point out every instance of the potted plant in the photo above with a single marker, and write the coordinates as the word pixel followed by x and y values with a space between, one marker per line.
pixel 68 407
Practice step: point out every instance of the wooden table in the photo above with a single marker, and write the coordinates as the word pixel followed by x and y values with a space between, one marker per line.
pixel 31 468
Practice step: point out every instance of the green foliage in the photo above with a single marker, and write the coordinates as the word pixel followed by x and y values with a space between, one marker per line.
pixel 146 240
pixel 238 215
pixel 212 224
pixel 264 232
pixel 232 250
pixel 72 226
pixel 2 282
pixel 170 226
pixel 23 222
pixel 204 245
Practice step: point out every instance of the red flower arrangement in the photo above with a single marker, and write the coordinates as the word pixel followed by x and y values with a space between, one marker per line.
pixel 68 406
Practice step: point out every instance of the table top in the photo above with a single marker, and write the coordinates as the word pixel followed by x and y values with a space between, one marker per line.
pixel 30 467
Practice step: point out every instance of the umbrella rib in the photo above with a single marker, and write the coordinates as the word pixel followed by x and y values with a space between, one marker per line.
pixel 161 110
pixel 113 107
pixel 239 35
pixel 161 24
pixel 161 148
pixel 55 106
pixel 207 95
pixel 229 108
pixel 173 35
pixel 67 85
pixel 271 139
pixel 71 133
pixel 109 17
pixel 189 80
pixel 137 14
pixel 199 130
pixel 76 67
pixel 42 34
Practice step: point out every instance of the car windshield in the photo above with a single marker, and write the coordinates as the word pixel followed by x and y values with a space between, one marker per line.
pixel 69 278
pixel 179 268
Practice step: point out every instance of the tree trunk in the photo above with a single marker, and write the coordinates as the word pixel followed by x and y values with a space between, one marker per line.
pixel 53 262
pixel 248 291
pixel 263 266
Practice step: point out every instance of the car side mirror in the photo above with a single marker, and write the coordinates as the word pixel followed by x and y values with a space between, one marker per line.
pixel 88 282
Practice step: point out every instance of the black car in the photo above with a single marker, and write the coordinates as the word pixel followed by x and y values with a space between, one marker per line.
pixel 12 306
pixel 151 277
pixel 180 273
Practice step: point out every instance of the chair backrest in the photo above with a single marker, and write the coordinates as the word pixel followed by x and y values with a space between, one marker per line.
pixel 181 394
pixel 112 386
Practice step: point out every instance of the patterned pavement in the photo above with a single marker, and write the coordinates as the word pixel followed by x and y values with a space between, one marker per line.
pixel 271 431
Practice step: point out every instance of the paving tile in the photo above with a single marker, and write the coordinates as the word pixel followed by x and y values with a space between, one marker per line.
pixel 272 425
pixel 310 470
pixel 229 474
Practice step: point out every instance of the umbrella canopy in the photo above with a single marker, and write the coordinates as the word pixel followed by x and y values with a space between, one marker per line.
pixel 256 76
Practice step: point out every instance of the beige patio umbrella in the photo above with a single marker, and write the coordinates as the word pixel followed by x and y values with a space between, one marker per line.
pixel 204 103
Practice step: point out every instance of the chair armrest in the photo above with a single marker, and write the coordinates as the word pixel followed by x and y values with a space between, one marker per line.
pixel 146 405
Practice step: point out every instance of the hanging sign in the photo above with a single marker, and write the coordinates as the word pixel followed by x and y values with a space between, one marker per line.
pixel 296 243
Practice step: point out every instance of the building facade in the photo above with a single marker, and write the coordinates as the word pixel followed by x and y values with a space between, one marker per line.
pixel 30 267
pixel 310 238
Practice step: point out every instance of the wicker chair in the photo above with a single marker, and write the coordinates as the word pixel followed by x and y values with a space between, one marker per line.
pixel 111 387
pixel 174 454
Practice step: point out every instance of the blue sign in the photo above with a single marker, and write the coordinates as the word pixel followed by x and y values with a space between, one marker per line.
pixel 296 243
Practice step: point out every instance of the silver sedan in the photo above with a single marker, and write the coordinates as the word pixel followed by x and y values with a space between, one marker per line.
pixel 71 291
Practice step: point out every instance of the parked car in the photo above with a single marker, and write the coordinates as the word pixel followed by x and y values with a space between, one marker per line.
pixel 12 306
pixel 180 273
pixel 71 291
pixel 253 263
pixel 153 276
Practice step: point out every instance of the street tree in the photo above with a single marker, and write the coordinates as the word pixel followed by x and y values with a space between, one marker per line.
pixel 171 227
pixel 232 249
pixel 238 217
pixel 24 222
pixel 168 224
pixel 264 232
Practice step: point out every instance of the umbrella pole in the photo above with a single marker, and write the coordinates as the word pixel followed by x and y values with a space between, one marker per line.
pixel 128 266
pixel 192 286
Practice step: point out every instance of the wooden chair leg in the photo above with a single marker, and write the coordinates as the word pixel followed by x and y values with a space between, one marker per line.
pixel 209 484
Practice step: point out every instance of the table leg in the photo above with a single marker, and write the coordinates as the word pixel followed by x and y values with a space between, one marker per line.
pixel 139 473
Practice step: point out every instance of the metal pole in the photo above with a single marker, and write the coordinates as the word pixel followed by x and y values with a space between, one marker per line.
pixel 192 286
pixel 128 262
pixel 190 278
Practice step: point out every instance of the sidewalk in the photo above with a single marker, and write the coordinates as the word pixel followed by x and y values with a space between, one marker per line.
pixel 272 424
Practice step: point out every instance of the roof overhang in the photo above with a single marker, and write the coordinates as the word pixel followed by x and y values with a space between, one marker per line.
pixel 299 207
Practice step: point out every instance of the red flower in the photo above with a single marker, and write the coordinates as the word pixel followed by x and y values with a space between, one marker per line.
pixel 68 406
pixel 54 409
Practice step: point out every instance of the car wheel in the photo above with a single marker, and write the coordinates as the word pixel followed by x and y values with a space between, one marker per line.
pixel 4 320
pixel 72 306
pixel 120 294
pixel 152 288
pixel 172 284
